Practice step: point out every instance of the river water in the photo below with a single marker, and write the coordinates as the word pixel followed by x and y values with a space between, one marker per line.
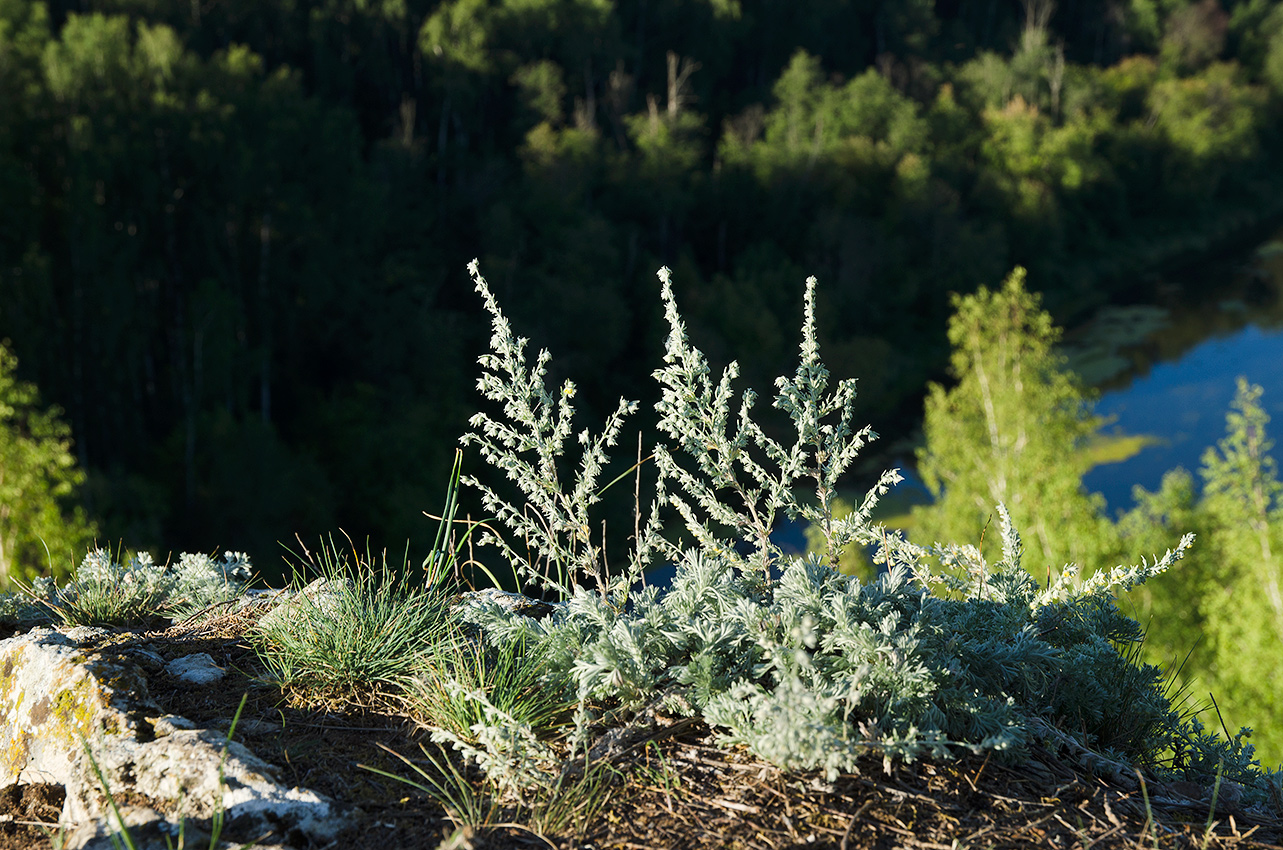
pixel 1169 370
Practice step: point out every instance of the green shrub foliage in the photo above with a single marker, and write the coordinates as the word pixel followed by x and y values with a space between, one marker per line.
pixel 42 527
pixel 1014 429
pixel 809 668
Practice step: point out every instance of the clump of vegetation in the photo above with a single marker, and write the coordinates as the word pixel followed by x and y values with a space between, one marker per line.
pixel 106 592
pixel 362 627
pixel 809 668
pixel 473 688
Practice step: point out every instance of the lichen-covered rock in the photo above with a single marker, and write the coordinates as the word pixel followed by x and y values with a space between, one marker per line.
pixel 510 603
pixel 148 830
pixel 321 595
pixel 69 704
pixel 53 699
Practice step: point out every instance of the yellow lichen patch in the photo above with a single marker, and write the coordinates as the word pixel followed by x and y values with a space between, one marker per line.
pixel 15 743
pixel 13 757
pixel 76 706
pixel 7 668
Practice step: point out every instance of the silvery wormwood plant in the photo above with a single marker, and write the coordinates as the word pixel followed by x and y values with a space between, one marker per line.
pixel 103 590
pixel 807 667
pixel 696 415
pixel 553 523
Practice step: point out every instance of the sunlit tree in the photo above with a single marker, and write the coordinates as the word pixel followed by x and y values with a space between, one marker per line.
pixel 1217 621
pixel 1244 605
pixel 42 530
pixel 1011 430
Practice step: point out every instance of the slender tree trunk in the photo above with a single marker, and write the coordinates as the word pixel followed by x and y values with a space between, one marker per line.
pixel 185 374
pixel 265 312
pixel 998 481
pixel 443 138
pixel 5 512
pixel 77 310
pixel 1261 525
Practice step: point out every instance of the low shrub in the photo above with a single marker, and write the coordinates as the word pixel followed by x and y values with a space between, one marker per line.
pixel 136 591
pixel 809 668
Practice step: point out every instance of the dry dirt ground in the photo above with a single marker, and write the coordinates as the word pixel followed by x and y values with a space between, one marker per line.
pixel 677 790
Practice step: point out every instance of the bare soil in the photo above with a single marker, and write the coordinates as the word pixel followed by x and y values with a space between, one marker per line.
pixel 28 815
pixel 675 790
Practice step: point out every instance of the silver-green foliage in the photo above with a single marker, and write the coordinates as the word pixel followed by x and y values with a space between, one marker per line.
pixel 553 526
pixel 760 475
pixel 107 592
pixel 808 667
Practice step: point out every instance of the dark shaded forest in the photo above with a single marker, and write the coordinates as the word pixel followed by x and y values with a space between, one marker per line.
pixel 233 233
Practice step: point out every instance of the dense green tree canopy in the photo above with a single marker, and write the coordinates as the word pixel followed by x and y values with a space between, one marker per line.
pixel 235 232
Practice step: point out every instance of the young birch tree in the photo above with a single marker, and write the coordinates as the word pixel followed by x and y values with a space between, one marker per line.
pixel 1011 430
pixel 1219 617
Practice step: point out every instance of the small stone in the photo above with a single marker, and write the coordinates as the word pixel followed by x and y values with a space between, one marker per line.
pixel 169 724
pixel 146 826
pixel 262 598
pixel 321 597
pixel 512 603
pixel 146 658
pixel 198 669
pixel 253 727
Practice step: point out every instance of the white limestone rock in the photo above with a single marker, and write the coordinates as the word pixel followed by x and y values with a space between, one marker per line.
pixel 62 702
pixel 321 595
pixel 197 669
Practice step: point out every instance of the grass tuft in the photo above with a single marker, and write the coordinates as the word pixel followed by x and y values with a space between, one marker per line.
pixel 467 806
pixel 567 806
pixel 511 677
pixel 364 628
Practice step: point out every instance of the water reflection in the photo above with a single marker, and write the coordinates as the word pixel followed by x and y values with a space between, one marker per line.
pixel 1175 377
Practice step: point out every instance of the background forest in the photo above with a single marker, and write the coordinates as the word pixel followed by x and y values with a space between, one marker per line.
pixel 233 234
pixel 233 239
